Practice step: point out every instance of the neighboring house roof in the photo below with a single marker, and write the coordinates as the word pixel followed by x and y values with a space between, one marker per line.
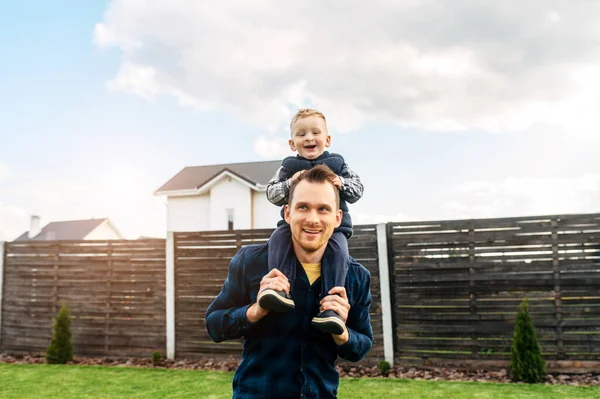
pixel 67 230
pixel 193 178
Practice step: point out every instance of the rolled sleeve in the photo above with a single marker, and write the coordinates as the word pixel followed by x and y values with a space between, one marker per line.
pixel 360 332
pixel 226 316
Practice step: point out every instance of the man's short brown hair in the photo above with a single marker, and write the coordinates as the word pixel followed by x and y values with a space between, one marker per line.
pixel 318 174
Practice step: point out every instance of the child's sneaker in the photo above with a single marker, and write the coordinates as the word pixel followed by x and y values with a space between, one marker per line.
pixel 276 301
pixel 330 322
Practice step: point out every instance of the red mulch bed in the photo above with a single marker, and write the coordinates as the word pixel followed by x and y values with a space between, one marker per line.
pixel 438 374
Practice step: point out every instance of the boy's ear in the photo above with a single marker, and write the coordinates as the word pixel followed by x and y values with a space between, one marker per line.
pixel 328 141
pixel 292 145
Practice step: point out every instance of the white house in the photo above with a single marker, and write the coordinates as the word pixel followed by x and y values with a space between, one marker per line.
pixel 221 197
pixel 90 229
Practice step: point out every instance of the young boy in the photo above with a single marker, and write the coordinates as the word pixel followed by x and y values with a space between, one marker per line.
pixel 310 138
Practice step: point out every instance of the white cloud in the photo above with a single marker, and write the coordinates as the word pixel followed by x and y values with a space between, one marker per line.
pixel 514 196
pixel 13 222
pixel 431 64
pixel 103 37
pixel 275 148
pixel 136 79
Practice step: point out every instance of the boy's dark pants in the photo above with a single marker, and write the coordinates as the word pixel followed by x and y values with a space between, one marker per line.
pixel 334 266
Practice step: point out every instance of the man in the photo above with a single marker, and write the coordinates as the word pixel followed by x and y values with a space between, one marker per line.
pixel 284 356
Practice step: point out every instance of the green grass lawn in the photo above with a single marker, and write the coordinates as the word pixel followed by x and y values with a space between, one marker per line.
pixel 45 381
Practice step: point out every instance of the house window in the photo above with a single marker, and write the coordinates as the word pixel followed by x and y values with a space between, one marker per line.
pixel 230 219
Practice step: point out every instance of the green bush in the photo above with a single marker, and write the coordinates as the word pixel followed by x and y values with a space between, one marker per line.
pixel 526 362
pixel 384 368
pixel 60 350
pixel 156 356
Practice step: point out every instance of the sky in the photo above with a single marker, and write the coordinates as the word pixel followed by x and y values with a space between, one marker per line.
pixel 446 110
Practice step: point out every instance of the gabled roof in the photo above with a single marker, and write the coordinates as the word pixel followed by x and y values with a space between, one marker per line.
pixel 67 230
pixel 256 174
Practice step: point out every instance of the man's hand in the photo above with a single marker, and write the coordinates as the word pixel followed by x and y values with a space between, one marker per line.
pixel 337 182
pixel 273 280
pixel 337 300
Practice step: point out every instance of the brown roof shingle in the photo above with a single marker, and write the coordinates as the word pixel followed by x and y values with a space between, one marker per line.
pixel 67 230
pixel 193 177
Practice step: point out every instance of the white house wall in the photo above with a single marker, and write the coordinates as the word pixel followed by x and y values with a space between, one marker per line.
pixel 228 193
pixel 103 232
pixel 266 215
pixel 209 211
pixel 188 213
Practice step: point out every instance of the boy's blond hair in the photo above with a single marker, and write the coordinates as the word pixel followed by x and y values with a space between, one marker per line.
pixel 305 113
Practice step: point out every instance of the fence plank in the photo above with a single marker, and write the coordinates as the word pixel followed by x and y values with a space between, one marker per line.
pixel 201 264
pixel 460 282
pixel 115 291
pixel 455 288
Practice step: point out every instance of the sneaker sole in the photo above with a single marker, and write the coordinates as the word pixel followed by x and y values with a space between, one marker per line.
pixel 271 300
pixel 330 325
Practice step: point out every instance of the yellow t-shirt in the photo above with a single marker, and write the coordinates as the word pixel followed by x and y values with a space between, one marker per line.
pixel 313 271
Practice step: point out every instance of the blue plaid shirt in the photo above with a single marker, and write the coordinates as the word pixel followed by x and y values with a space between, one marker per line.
pixel 283 355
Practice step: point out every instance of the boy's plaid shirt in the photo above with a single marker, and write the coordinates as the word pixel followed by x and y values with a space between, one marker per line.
pixel 278 188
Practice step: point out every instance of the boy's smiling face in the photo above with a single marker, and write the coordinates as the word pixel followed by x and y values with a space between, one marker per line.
pixel 310 137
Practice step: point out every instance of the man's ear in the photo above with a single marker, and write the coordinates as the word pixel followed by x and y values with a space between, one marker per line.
pixel 286 213
pixel 338 218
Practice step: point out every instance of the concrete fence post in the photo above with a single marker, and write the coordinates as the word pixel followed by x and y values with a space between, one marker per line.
pixel 386 298
pixel 170 294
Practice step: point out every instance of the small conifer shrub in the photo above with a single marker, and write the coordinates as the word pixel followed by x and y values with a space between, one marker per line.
pixel 60 350
pixel 526 362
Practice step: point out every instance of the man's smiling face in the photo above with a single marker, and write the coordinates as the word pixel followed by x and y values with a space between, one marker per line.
pixel 312 215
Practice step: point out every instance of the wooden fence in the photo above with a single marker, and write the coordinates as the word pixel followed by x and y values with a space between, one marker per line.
pixel 201 263
pixel 115 291
pixel 457 286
